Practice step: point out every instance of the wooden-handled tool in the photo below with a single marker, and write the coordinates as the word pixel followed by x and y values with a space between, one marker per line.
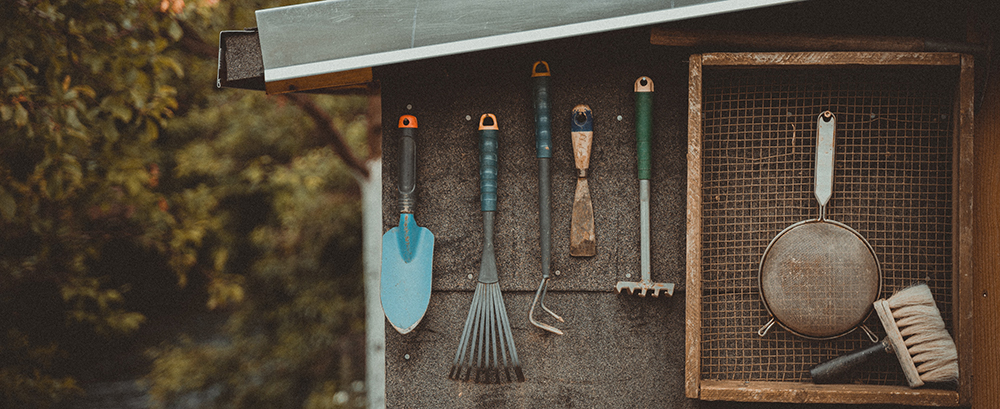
pixel 582 242
pixel 643 130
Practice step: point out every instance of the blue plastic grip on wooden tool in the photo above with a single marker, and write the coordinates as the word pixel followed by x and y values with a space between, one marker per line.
pixel 543 122
pixel 643 125
pixel 488 136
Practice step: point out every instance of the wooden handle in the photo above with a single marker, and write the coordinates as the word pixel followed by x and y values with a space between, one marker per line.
pixel 582 127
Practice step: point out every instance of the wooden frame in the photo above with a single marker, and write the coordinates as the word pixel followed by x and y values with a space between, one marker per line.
pixel 798 392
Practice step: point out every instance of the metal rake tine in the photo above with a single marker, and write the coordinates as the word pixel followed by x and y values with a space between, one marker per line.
pixel 489 341
pixel 498 306
pixel 478 339
pixel 463 343
pixel 540 299
pixel 510 341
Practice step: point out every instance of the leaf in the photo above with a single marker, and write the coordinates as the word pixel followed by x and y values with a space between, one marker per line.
pixel 162 62
pixel 175 31
pixel 8 206
pixel 152 132
pixel 20 115
pixel 72 120
pixel 117 108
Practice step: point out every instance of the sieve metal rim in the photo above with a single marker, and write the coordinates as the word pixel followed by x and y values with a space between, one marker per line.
pixel 767 251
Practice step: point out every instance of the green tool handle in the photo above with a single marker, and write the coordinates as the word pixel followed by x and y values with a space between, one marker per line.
pixel 543 122
pixel 644 125
pixel 407 163
pixel 488 132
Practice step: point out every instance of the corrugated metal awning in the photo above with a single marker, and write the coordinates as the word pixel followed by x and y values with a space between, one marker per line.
pixel 316 45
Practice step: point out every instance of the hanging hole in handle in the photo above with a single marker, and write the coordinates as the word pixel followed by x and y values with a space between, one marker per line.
pixel 541 69
pixel 871 335
pixel 488 121
pixel 580 118
pixel 827 116
pixel 643 81
pixel 767 327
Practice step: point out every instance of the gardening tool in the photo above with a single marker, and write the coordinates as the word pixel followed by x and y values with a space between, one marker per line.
pixel 643 129
pixel 407 249
pixel 487 340
pixel 581 236
pixel 543 144
pixel 913 314
pixel 819 277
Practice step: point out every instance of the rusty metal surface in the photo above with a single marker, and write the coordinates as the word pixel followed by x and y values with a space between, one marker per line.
pixel 582 242
pixel 819 279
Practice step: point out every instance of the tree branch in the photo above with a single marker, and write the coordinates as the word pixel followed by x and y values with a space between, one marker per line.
pixel 324 126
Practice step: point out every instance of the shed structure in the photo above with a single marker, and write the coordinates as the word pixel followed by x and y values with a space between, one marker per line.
pixel 623 350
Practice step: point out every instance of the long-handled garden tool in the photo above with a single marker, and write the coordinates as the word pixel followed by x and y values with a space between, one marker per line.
pixel 407 249
pixel 543 143
pixel 643 129
pixel 487 345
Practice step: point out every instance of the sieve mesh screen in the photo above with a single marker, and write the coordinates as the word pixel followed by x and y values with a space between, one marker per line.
pixel 893 183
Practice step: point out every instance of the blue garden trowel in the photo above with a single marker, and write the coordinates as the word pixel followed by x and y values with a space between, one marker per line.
pixel 407 249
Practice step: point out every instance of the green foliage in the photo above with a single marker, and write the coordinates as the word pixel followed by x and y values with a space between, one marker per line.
pixel 84 90
pixel 292 341
pixel 114 141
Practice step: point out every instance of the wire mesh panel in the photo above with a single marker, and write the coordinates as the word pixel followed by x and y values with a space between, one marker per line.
pixel 893 183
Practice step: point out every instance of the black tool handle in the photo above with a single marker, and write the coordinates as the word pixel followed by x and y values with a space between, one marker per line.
pixel 407 163
pixel 837 370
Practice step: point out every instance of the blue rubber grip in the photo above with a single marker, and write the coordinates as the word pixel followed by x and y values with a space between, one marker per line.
pixel 488 162
pixel 543 122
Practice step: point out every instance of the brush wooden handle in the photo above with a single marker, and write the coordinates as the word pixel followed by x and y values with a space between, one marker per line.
pixel 837 370
pixel 488 131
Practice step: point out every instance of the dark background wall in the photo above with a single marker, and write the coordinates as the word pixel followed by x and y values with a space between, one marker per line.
pixel 619 350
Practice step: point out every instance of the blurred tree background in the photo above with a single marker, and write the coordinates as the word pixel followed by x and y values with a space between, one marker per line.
pixel 153 226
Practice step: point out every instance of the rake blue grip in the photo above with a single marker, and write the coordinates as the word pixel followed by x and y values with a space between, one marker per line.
pixel 488 133
pixel 543 123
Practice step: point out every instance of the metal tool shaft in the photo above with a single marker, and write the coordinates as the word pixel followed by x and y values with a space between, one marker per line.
pixel 644 231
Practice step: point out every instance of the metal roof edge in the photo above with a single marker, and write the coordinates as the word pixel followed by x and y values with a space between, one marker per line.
pixel 484 43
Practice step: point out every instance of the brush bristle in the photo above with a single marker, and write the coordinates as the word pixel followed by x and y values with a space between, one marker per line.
pixel 927 340
pixel 486 352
